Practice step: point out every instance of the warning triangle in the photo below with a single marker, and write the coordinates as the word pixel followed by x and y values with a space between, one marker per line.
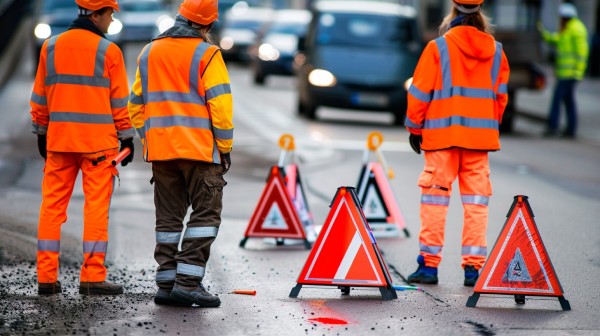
pixel 345 252
pixel 275 215
pixel 519 263
pixel 379 204
pixel 296 191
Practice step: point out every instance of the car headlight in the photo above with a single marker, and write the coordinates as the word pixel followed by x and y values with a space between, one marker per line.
pixel 267 52
pixel 115 27
pixel 164 22
pixel 408 83
pixel 42 31
pixel 322 78
pixel 226 43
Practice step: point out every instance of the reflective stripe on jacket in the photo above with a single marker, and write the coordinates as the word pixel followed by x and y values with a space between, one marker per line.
pixel 80 92
pixel 572 49
pixel 181 102
pixel 459 91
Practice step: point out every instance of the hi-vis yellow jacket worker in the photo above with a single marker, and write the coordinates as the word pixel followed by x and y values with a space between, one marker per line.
pixel 181 106
pixel 455 105
pixel 79 113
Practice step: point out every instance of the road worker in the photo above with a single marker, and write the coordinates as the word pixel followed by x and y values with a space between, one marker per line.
pixel 572 50
pixel 79 113
pixel 182 107
pixel 455 105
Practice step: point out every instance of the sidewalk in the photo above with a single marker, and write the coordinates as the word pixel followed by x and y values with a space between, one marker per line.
pixel 535 106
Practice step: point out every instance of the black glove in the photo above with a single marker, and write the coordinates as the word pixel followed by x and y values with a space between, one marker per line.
pixel 42 145
pixel 127 143
pixel 225 162
pixel 415 142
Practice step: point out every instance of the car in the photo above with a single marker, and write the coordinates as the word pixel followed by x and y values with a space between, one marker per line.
pixel 142 20
pixel 273 52
pixel 357 55
pixel 240 28
pixel 54 17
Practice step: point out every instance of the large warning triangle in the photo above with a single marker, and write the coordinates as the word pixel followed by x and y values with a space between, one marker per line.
pixel 378 202
pixel 519 263
pixel 345 253
pixel 275 215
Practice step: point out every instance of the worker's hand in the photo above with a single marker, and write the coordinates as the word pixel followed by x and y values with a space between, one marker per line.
pixel 415 142
pixel 225 162
pixel 540 26
pixel 127 143
pixel 42 145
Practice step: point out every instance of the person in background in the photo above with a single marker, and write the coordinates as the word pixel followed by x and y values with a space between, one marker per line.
pixel 182 107
pixel 79 113
pixel 572 50
pixel 455 106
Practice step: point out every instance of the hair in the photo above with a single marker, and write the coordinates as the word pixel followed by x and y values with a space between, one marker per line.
pixel 477 20
pixel 205 32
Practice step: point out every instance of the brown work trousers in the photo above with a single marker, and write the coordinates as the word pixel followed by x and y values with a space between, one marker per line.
pixel 179 184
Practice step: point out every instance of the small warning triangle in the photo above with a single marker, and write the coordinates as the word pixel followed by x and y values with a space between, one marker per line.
pixel 275 215
pixel 296 191
pixel 379 204
pixel 519 263
pixel 345 252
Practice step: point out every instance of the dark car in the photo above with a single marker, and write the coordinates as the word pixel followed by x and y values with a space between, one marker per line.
pixel 273 53
pixel 240 28
pixel 357 55
pixel 142 20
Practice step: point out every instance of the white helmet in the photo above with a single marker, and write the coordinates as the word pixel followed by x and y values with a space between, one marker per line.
pixel 567 10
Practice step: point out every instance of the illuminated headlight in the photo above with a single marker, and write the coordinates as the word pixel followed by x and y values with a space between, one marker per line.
pixel 267 52
pixel 408 83
pixel 322 78
pixel 164 22
pixel 226 43
pixel 115 27
pixel 42 31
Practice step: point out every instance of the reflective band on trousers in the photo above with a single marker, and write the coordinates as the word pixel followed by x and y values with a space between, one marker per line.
pixel 188 269
pixel 475 199
pixel 201 232
pixel 168 275
pixel 97 79
pixel 474 250
pixel 430 249
pixel 95 246
pixel 46 245
pixel 435 199
pixel 168 237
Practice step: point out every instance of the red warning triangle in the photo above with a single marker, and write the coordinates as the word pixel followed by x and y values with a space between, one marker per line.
pixel 519 262
pixel 275 215
pixel 296 191
pixel 345 252
pixel 379 204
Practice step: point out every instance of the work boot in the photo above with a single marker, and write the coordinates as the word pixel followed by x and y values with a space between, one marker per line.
pixel 100 288
pixel 163 297
pixel 49 288
pixel 471 275
pixel 424 274
pixel 198 296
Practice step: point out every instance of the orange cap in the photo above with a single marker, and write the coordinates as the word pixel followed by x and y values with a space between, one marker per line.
pixel 95 5
pixel 469 2
pixel 202 12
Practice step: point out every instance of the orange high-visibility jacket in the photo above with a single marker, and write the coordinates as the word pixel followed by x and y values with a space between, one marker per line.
pixel 459 91
pixel 181 103
pixel 79 97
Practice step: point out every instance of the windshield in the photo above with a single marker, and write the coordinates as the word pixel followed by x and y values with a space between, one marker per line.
pixel 287 28
pixel 141 6
pixel 50 5
pixel 245 24
pixel 353 29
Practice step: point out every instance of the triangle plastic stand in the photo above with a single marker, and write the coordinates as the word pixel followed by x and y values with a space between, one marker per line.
pixel 519 264
pixel 275 215
pixel 345 253
pixel 379 204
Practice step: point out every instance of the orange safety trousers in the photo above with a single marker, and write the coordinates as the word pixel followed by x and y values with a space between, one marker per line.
pixel 441 169
pixel 60 174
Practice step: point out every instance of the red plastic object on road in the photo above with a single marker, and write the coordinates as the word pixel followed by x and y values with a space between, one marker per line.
pixel 244 291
